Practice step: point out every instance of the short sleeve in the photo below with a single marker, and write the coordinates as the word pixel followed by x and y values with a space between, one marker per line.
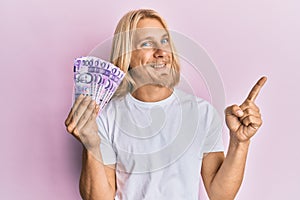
pixel 213 140
pixel 106 145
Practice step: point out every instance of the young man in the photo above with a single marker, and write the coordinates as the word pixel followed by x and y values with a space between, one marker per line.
pixel 155 140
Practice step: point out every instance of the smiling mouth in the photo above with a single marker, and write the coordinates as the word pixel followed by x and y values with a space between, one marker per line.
pixel 158 66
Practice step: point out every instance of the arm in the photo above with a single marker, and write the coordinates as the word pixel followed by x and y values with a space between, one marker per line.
pixel 223 177
pixel 97 180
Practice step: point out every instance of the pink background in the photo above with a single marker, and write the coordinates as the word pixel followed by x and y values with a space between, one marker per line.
pixel 40 39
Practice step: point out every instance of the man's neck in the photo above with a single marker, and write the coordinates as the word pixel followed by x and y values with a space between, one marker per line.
pixel 152 93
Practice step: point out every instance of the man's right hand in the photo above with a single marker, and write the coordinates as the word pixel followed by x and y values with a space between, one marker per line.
pixel 81 122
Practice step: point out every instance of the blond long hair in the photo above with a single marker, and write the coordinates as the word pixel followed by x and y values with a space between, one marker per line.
pixel 122 46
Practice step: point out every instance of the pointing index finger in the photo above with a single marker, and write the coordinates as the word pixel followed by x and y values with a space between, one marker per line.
pixel 256 88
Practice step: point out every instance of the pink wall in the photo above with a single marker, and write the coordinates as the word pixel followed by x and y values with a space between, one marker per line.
pixel 40 39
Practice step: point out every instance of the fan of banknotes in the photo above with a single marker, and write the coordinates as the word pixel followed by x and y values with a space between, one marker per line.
pixel 96 78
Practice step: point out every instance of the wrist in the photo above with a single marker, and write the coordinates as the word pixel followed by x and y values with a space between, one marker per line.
pixel 92 153
pixel 234 141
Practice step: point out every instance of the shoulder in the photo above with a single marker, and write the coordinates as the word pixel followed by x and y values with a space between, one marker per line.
pixel 110 109
pixel 194 103
pixel 193 99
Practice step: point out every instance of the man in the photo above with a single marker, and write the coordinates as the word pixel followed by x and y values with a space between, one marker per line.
pixel 147 149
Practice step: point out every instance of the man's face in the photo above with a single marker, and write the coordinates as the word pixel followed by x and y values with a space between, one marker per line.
pixel 151 57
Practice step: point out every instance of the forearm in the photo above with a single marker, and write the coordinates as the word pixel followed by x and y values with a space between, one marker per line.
pixel 228 179
pixel 94 184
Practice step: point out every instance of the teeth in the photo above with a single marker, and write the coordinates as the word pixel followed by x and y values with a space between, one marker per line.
pixel 158 66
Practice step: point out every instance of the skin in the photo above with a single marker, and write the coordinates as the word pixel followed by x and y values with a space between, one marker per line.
pixel 222 176
pixel 97 181
pixel 151 49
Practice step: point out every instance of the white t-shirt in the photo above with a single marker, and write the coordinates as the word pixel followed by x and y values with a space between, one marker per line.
pixel 158 146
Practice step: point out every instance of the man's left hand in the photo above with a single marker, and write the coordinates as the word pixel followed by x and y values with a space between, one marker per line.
pixel 243 121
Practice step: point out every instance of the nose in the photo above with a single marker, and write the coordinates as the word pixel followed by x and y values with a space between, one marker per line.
pixel 160 53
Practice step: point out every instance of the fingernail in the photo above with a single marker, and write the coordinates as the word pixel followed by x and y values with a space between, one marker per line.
pixel 240 113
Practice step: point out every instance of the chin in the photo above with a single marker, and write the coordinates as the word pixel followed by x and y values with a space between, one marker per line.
pixel 164 76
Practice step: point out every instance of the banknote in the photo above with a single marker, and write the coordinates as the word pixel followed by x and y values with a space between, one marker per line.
pixel 96 78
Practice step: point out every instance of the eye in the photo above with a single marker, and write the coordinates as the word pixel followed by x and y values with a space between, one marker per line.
pixel 165 41
pixel 147 44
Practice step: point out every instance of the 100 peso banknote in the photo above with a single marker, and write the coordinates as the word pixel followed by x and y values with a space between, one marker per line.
pixel 96 78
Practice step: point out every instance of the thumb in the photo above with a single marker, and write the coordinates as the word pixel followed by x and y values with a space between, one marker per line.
pixel 234 110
